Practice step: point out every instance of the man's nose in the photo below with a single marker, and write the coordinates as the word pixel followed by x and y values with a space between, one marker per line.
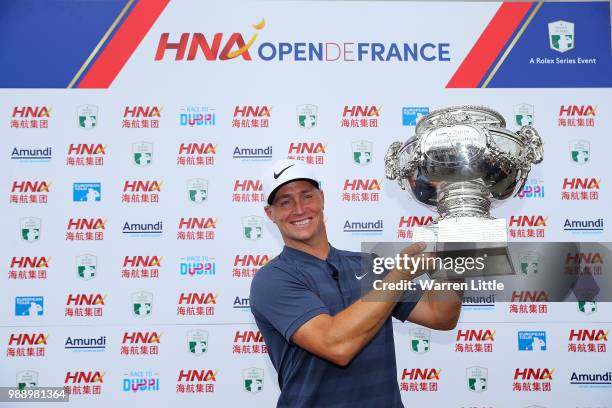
pixel 299 206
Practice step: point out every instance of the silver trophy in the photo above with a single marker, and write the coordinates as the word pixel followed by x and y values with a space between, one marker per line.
pixel 462 161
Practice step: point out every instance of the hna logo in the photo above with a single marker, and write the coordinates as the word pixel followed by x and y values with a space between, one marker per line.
pixel 138 186
pixel 581 183
pixel 84 377
pixel 527 221
pixel 251 260
pixel 82 149
pixel 575 110
pixel 307 148
pixel 199 44
pixel 83 299
pixel 262 111
pixel 24 339
pixel 197 148
pixel 142 112
pixel 534 374
pixel 138 261
pixel 141 338
pixel 414 221
pixel 197 223
pixel 197 375
pixel 588 335
pixel 476 335
pixel 86 223
pixel 529 296
pixel 30 187
pixel 358 184
pixel 248 336
pixel 361 111
pixel 584 258
pixel 421 374
pixel 197 298
pixel 248 185
pixel 31 112
pixel 30 262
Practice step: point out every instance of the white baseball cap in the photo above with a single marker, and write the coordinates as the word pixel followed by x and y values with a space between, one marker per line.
pixel 283 172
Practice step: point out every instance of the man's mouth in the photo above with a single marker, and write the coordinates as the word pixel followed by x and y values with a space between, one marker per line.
pixel 301 223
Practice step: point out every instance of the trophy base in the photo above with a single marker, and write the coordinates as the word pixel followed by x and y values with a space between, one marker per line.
pixel 468 237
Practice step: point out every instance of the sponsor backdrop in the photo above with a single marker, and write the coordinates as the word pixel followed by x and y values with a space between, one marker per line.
pixel 134 139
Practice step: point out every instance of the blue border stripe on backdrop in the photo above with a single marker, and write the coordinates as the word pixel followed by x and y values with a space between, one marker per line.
pixel 45 42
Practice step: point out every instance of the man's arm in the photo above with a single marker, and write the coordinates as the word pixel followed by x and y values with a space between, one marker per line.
pixel 339 338
pixel 438 310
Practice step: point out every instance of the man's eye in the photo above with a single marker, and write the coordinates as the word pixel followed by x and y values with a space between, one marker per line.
pixel 284 203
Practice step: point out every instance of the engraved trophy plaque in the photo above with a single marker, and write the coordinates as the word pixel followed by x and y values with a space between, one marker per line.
pixel 461 162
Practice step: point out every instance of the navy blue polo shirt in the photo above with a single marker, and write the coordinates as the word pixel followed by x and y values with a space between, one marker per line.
pixel 293 288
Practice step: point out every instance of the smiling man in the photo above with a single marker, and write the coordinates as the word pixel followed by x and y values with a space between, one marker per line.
pixel 331 346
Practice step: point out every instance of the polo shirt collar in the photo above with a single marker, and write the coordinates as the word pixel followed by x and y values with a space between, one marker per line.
pixel 332 256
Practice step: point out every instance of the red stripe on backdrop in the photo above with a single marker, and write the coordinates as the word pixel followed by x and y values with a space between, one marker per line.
pixel 123 44
pixel 489 45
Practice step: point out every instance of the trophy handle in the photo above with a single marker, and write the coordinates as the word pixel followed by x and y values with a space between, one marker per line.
pixel 534 151
pixel 392 166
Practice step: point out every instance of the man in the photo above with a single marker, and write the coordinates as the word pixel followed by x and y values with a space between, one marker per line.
pixel 330 346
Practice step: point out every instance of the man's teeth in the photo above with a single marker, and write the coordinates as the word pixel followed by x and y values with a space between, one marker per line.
pixel 301 222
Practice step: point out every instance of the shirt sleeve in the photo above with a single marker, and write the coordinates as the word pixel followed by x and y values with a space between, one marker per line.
pixel 402 310
pixel 284 301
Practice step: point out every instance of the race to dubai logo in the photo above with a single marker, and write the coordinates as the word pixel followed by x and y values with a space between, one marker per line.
pixel 362 152
pixel 252 227
pixel 477 379
pixel 252 380
pixel 561 35
pixel 197 342
pixel 87 116
pixel 86 266
pixel 142 304
pixel 412 114
pixel 30 229
pixel 523 114
pixel 419 340
pixel 142 153
pixel 87 192
pixel 307 116
pixel 197 190
pixel 580 151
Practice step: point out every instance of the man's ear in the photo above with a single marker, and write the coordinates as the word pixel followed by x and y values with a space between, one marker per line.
pixel 268 211
pixel 322 199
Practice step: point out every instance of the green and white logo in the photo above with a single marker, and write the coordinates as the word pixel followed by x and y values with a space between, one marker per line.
pixel 530 263
pixel 307 116
pixel 27 379
pixel 88 116
pixel 87 266
pixel 523 114
pixel 197 341
pixel 197 189
pixel 30 229
pixel 419 340
pixel 142 153
pixel 142 304
pixel 252 380
pixel 580 151
pixel 362 152
pixel 477 378
pixel 252 227
pixel 561 35
pixel 587 307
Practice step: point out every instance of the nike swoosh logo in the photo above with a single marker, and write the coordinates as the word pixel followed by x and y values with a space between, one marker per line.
pixel 277 175
pixel 360 277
